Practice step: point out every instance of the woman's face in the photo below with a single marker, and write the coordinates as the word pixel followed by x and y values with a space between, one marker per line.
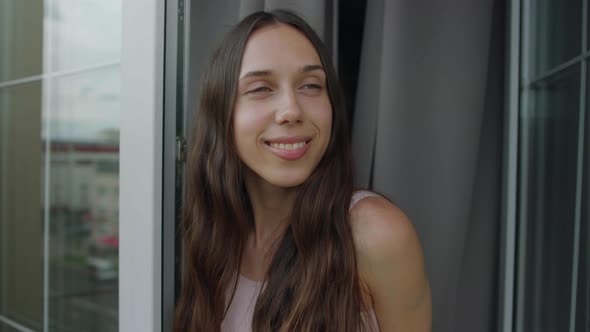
pixel 283 117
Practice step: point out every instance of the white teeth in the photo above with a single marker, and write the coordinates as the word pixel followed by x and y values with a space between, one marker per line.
pixel 288 146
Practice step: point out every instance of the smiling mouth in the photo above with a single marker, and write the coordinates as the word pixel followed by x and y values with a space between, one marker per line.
pixel 287 146
pixel 289 149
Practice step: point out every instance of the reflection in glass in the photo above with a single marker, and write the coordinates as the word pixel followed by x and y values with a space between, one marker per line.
pixel 83 33
pixel 72 34
pixel 7 328
pixel 66 118
pixel 551 177
pixel 84 186
pixel 555 30
pixel 21 232
pixel 21 39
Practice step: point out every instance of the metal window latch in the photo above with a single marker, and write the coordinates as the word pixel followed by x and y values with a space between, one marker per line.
pixel 181 10
pixel 180 149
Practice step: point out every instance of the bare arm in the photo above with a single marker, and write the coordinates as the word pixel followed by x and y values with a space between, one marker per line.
pixel 391 264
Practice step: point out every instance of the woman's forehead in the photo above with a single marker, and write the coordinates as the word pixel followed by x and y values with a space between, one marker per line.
pixel 276 48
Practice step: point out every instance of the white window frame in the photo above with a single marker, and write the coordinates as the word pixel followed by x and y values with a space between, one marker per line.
pixel 140 209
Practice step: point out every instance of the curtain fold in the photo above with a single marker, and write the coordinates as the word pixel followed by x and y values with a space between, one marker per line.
pixel 478 278
pixel 369 93
pixel 418 127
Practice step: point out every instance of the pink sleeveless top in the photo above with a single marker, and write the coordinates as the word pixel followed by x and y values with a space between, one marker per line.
pixel 241 310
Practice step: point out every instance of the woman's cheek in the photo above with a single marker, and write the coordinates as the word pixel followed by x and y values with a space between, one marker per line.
pixel 323 117
pixel 248 121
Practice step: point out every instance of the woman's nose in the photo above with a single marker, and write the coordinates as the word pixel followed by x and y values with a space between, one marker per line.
pixel 289 111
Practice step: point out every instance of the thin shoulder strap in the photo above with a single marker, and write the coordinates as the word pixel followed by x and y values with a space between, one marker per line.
pixel 358 195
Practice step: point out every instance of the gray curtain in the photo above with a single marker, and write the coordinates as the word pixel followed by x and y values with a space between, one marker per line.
pixel 427 133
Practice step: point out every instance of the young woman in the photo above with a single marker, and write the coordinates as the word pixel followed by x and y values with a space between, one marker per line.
pixel 275 237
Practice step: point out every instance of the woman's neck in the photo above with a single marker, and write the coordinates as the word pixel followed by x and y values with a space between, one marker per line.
pixel 272 206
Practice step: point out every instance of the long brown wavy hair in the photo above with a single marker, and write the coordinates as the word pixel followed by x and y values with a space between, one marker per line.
pixel 312 283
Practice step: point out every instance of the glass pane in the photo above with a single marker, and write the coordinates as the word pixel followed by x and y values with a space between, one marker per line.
pixel 84 32
pixel 555 33
pixel 21 216
pixel 71 34
pixel 21 39
pixel 551 177
pixel 70 122
pixel 84 201
pixel 83 126
pixel 7 328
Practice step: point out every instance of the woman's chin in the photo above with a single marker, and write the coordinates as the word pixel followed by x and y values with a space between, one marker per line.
pixel 286 180
pixel 287 183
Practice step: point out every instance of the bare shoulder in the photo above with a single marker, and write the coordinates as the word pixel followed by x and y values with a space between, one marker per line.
pixel 381 229
pixel 391 265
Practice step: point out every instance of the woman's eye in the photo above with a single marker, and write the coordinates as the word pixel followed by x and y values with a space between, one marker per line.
pixel 312 86
pixel 259 90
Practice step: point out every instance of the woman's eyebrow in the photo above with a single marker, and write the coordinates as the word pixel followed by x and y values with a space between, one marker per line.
pixel 256 73
pixel 308 68
pixel 262 73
